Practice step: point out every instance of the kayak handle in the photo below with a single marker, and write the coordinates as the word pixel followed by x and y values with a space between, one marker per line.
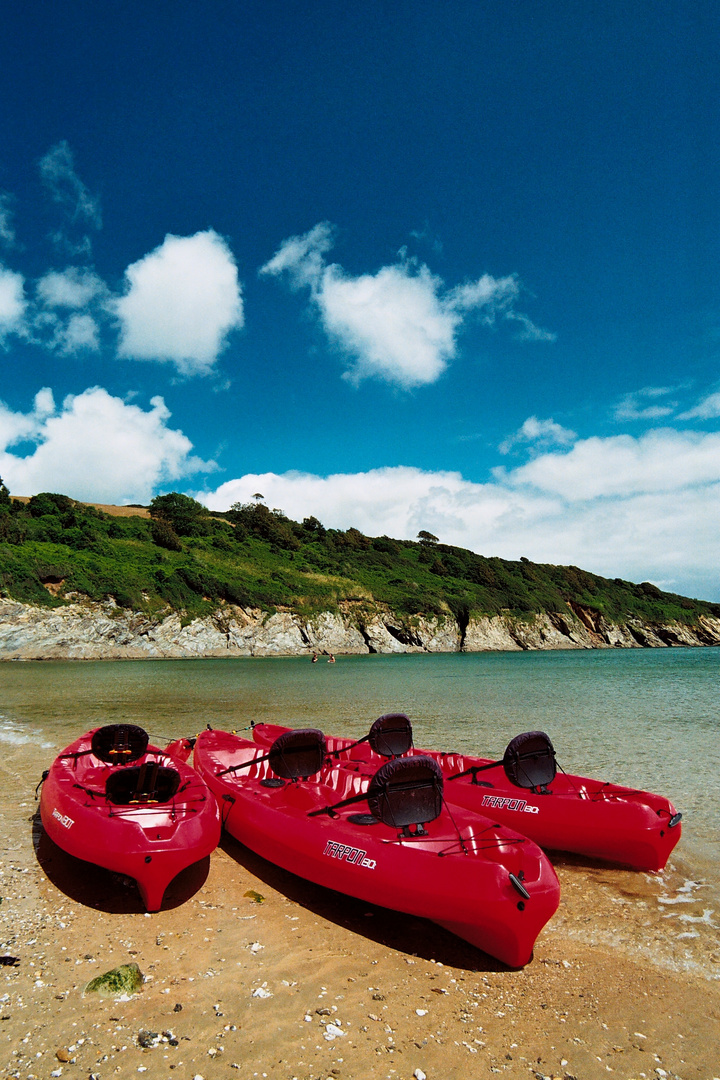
pixel 518 885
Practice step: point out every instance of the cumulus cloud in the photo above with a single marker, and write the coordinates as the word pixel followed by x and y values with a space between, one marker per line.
pixel 640 509
pixel 538 434
pixel 662 460
pixel 181 303
pixel 393 323
pixel 399 324
pixel 80 332
pixel 12 302
pixel 74 287
pixel 94 447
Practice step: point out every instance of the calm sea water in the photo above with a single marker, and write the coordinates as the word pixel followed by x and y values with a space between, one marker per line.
pixel 647 718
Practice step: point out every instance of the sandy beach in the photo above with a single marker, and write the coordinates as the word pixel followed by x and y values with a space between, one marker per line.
pixel 251 972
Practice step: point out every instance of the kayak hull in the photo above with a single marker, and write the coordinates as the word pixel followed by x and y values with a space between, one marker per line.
pixel 150 842
pixel 464 886
pixel 586 817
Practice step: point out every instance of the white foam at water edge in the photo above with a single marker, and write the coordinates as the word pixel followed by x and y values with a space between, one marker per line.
pixel 18 735
pixel 684 893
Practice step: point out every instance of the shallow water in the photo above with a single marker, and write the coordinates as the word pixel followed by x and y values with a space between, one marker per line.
pixel 646 718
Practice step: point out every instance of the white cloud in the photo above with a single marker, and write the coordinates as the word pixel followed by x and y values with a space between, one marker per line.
pixel 59 322
pixel 393 323
pixel 70 288
pixel 182 301
pixel 528 330
pixel 12 302
pixel 81 332
pixel 302 256
pixel 491 295
pixel 706 409
pixel 643 509
pixel 18 427
pixel 57 170
pixel 7 232
pixel 646 404
pixel 399 324
pixel 96 447
pixel 662 460
pixel 540 434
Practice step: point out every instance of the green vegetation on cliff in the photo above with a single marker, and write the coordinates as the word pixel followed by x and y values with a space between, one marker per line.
pixel 182 556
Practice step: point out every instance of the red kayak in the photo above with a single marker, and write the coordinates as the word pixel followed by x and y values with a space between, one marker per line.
pixel 525 791
pixel 384 836
pixel 113 800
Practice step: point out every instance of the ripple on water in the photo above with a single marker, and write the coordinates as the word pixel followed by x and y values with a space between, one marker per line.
pixel 667 920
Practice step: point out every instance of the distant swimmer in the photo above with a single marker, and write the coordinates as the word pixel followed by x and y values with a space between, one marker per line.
pixel 315 658
pixel 331 659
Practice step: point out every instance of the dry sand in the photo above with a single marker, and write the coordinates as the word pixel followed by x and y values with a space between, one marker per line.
pixel 305 983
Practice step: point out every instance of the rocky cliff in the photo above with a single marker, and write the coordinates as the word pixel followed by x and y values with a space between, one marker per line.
pixel 91 631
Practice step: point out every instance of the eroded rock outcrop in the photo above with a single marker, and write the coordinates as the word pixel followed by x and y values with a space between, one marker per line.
pixel 91 631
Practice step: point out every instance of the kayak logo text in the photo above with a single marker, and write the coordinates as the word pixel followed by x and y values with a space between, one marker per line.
pixel 349 854
pixel 502 802
pixel 68 822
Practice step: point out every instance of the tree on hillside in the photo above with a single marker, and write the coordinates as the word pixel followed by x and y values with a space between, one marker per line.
pixel 4 494
pixel 183 514
pixel 256 519
pixel 426 537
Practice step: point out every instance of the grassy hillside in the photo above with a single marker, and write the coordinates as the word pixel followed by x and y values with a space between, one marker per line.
pixel 52 548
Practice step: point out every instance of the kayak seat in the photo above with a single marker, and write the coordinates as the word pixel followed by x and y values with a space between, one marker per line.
pixel 529 761
pixel 146 783
pixel 298 754
pixel 405 792
pixel 391 735
pixel 119 744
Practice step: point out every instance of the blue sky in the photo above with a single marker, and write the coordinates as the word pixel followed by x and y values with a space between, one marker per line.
pixel 400 265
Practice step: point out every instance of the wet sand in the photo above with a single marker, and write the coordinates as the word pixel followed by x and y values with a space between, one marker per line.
pixel 309 984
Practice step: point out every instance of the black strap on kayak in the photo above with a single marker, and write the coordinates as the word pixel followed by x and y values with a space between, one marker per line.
pixel 529 762
pixel 390 736
pixel 295 755
pixel 75 754
pixel 474 770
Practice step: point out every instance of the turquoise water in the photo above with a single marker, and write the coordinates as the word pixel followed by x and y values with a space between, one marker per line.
pixel 648 718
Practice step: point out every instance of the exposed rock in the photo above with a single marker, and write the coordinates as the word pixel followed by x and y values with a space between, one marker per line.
pixel 92 631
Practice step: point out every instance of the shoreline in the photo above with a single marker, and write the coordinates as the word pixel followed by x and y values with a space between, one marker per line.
pixel 84 630
pixel 612 988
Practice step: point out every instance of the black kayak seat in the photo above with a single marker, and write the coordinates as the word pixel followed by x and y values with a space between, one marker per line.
pixel 529 760
pixel 119 744
pixel 146 783
pixel 297 754
pixel 406 791
pixel 391 735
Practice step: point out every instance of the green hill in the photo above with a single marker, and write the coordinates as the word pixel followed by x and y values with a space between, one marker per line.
pixel 181 556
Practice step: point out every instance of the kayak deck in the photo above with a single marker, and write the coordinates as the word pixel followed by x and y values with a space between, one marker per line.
pixel 148 818
pixel 599 820
pixel 456 870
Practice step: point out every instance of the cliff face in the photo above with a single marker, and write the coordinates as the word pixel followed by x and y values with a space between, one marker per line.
pixel 89 631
